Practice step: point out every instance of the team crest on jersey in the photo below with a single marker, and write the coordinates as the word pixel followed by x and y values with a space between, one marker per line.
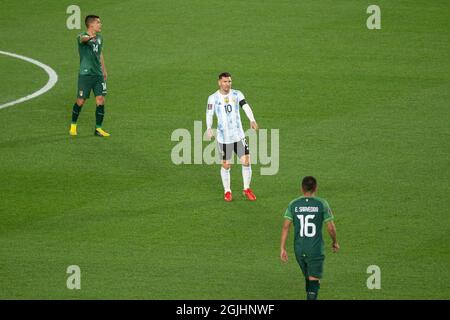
pixel 227 100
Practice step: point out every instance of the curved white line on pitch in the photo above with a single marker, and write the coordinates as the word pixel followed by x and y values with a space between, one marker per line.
pixel 52 79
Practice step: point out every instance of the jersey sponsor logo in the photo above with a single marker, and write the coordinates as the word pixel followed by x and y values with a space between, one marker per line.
pixel 306 209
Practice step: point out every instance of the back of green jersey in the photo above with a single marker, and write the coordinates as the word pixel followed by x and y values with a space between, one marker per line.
pixel 308 215
pixel 90 53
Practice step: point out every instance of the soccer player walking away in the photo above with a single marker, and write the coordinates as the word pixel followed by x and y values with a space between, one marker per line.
pixel 92 74
pixel 226 104
pixel 308 213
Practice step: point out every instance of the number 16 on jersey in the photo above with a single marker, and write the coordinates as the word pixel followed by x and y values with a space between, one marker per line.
pixel 307 228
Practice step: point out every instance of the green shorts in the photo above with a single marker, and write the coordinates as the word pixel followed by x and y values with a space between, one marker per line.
pixel 311 266
pixel 86 83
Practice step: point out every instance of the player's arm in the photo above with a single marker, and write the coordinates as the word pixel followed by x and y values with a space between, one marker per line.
pixel 102 60
pixel 84 38
pixel 209 118
pixel 248 111
pixel 284 234
pixel 331 228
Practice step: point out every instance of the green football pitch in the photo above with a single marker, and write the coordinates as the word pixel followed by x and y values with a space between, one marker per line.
pixel 365 111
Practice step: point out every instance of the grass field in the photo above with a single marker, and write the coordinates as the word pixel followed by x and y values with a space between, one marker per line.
pixel 365 111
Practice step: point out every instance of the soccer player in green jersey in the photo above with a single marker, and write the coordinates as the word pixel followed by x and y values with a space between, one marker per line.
pixel 92 74
pixel 308 213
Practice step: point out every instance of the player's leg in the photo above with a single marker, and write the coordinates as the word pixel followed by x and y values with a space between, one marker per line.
pixel 303 266
pixel 76 109
pixel 246 171
pixel 315 273
pixel 100 93
pixel 241 149
pixel 84 89
pixel 226 180
pixel 225 170
pixel 313 288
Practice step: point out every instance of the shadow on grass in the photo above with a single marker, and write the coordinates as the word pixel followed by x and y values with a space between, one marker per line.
pixel 54 138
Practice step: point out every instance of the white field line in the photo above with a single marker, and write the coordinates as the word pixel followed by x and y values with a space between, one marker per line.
pixel 52 79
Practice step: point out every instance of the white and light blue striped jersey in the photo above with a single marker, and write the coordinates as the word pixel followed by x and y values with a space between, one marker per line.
pixel 226 108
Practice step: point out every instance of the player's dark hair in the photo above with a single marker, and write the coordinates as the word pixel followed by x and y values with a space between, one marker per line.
pixel 224 75
pixel 309 184
pixel 89 19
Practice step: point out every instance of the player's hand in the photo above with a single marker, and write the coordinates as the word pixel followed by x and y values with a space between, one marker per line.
pixel 254 125
pixel 335 246
pixel 105 75
pixel 283 255
pixel 209 132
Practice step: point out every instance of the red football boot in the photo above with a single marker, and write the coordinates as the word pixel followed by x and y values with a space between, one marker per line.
pixel 228 197
pixel 248 193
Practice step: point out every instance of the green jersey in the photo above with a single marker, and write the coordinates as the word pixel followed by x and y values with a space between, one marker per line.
pixel 90 53
pixel 308 215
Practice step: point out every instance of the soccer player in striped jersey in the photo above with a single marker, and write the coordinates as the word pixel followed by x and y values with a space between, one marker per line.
pixel 226 104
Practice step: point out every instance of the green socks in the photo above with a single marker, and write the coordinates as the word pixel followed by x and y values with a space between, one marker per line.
pixel 99 114
pixel 313 290
pixel 75 113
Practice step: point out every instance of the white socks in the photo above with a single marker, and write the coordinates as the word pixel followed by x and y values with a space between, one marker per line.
pixel 247 176
pixel 225 174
